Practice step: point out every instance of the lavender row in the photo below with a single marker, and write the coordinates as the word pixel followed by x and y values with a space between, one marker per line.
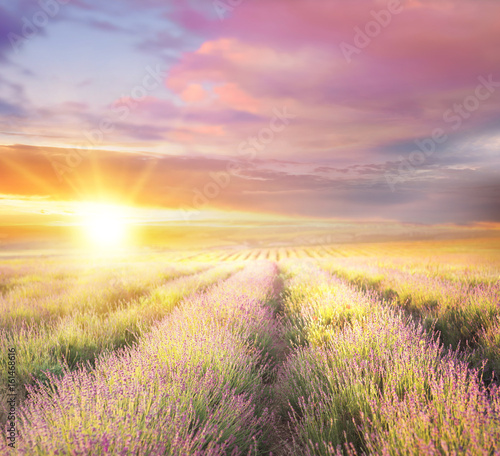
pixel 82 336
pixel 192 386
pixel 364 379
pixel 42 299
pixel 465 314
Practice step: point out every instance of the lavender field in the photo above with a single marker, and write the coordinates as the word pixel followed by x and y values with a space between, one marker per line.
pixel 383 349
pixel 249 228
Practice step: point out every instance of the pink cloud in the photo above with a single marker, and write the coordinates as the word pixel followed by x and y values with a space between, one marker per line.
pixel 277 53
pixel 428 45
pixel 232 96
pixel 266 54
pixel 194 93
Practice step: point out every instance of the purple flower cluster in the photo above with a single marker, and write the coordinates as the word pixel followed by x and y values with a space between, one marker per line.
pixel 191 386
pixel 379 384
pixel 362 376
pixel 464 312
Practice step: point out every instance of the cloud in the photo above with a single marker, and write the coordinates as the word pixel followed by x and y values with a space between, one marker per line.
pixel 353 121
pixel 231 76
pixel 176 182
pixel 396 90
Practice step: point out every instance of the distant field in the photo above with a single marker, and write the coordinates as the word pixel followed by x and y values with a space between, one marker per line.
pixel 317 349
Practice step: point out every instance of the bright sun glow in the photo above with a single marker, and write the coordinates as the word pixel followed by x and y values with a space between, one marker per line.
pixel 105 225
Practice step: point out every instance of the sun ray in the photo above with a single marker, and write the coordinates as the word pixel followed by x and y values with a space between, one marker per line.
pixel 26 174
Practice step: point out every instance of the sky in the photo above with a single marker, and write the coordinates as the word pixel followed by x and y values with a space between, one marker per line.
pixel 334 109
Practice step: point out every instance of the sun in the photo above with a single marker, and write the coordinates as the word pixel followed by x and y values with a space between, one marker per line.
pixel 105 225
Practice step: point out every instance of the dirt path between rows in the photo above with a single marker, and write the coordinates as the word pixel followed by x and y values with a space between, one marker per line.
pixel 281 433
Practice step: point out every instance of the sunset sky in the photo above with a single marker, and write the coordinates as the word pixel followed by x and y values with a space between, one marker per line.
pixel 362 110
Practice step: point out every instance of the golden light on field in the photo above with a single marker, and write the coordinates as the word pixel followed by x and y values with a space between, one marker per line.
pixel 104 225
